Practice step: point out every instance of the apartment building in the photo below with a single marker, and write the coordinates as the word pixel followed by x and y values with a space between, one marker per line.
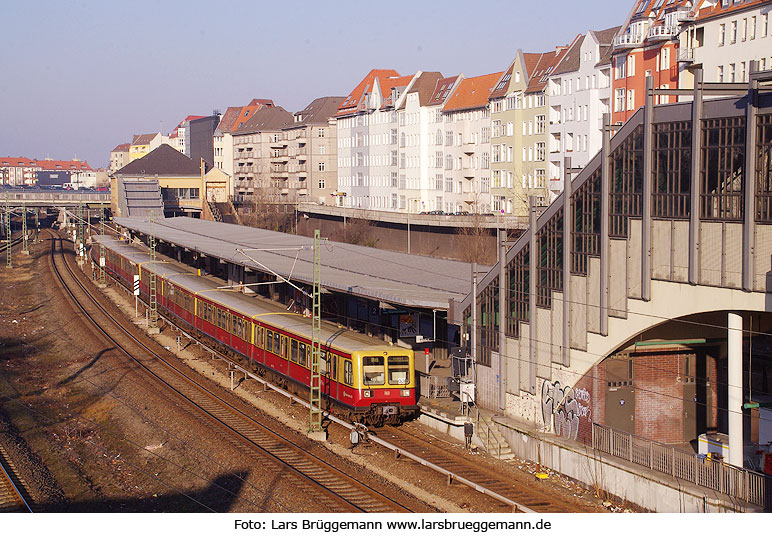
pixel 646 44
pixel 233 119
pixel 506 103
pixel 724 36
pixel 311 153
pixel 579 96
pixel 119 156
pixel 418 116
pixel 530 160
pixel 368 149
pixel 467 145
pixel 253 144
pixel 143 144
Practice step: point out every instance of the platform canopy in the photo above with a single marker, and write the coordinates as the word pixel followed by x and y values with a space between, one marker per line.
pixel 395 278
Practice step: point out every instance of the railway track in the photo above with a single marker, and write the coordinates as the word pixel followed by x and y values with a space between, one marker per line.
pixel 343 492
pixel 11 492
pixel 527 498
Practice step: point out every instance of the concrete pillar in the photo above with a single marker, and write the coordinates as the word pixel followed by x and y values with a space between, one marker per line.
pixel 532 277
pixel 694 217
pixel 735 388
pixel 503 296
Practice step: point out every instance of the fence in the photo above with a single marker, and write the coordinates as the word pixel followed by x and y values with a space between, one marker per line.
pixel 738 483
pixel 432 386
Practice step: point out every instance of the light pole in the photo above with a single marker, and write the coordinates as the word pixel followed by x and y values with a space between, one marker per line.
pixel 408 221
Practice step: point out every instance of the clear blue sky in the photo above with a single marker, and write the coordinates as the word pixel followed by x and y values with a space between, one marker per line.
pixel 80 77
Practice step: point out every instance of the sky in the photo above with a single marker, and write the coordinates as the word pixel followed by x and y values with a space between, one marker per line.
pixel 77 78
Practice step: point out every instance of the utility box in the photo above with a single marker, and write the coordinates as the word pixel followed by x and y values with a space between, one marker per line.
pixel 466 389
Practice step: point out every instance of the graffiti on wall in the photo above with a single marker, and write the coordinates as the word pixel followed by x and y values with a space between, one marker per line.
pixel 562 407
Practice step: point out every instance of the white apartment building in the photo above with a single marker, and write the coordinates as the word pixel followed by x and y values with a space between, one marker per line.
pixel 420 137
pixel 368 142
pixel 579 96
pixel 724 36
pixel 467 145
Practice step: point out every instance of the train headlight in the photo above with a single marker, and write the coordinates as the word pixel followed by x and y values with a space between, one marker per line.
pixel 404 393
pixel 367 393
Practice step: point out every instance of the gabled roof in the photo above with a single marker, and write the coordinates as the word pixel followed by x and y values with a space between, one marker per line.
pixel 247 112
pixel 501 87
pixel 122 147
pixel 318 111
pixel 540 75
pixel 352 102
pixel 424 86
pixel 708 11
pixel 386 86
pixel 472 93
pixel 228 119
pixel 266 119
pixel 144 139
pixel 606 40
pixel 571 59
pixel 164 161
pixel 442 90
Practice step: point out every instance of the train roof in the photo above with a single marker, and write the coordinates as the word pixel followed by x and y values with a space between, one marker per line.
pixel 259 309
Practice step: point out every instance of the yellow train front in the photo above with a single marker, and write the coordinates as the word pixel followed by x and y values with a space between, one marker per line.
pixel 363 378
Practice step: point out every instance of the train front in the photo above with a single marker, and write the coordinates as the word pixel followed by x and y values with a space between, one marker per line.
pixel 387 386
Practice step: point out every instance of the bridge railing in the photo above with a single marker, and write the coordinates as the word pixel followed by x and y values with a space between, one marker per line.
pixel 742 484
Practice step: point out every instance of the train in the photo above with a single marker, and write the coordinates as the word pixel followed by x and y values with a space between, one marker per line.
pixel 363 379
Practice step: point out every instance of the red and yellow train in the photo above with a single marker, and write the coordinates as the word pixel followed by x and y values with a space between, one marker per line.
pixel 363 378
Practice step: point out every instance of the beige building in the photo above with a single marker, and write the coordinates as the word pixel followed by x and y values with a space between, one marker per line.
pixel 184 183
pixel 141 145
pixel 311 154
pixel 119 157
pixel 255 145
pixel 519 134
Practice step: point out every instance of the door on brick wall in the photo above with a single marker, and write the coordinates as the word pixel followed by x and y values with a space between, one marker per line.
pixel 620 393
pixel 687 375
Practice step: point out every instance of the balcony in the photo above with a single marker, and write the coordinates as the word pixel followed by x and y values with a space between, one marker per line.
pixel 302 192
pixel 468 148
pixel 279 142
pixel 468 173
pixel 662 32
pixel 629 41
pixel 686 55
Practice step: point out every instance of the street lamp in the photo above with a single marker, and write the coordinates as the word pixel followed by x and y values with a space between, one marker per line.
pixel 408 221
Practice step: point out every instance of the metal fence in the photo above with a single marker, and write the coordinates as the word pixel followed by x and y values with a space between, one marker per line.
pixel 432 386
pixel 738 483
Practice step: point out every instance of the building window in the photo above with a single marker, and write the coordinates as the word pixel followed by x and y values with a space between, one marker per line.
pixel 321 132
pixel 321 166
pixel 664 59
pixel 721 35
pixel 733 32
pixel 541 124
pixel 541 154
pixel 438 157
pixel 619 100
pixel 321 183
pixel 630 100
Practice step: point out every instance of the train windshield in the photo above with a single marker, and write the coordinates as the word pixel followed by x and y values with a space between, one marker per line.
pixel 373 370
pixel 399 370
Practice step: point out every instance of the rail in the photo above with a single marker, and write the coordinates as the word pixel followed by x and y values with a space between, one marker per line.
pixel 742 484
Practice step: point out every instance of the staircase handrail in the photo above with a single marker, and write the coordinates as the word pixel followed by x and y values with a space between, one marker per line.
pixel 488 430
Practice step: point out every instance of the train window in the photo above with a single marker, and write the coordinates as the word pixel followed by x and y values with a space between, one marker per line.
pixel 373 370
pixel 334 364
pixel 348 372
pixel 323 362
pixel 284 347
pixel 269 342
pixel 399 370
pixel 259 332
pixel 276 343
pixel 303 354
pixel 294 351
